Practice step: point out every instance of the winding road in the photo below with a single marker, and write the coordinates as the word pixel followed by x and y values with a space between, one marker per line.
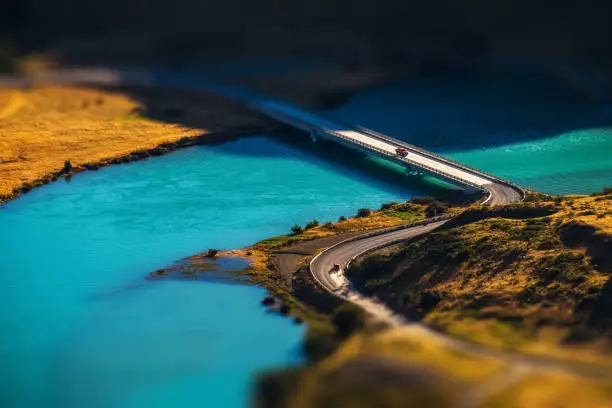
pixel 344 252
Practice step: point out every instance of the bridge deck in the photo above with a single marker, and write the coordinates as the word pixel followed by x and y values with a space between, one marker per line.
pixel 385 146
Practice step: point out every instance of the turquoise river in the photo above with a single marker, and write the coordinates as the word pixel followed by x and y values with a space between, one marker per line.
pixel 83 327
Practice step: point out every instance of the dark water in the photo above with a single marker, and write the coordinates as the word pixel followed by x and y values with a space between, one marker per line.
pixel 522 129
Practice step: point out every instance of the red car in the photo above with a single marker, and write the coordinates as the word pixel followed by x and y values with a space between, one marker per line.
pixel 400 151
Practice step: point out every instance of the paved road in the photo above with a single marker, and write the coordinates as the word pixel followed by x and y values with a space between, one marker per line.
pixel 337 283
pixel 344 252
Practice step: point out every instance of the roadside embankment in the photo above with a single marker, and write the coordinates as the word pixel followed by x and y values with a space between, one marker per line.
pixel 504 277
pixel 532 277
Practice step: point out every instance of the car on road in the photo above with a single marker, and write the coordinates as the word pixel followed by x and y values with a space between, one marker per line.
pixel 400 151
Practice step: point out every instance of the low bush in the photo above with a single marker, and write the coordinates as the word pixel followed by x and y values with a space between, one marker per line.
pixel 422 200
pixel 388 206
pixel 435 208
pixel 363 212
pixel 311 224
pixel 605 191
pixel 342 218
pixel 296 229
pixel 212 253
pixel 67 167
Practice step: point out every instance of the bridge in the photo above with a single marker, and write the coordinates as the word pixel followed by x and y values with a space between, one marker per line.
pixel 499 191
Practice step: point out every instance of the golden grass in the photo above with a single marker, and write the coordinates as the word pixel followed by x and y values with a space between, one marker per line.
pixel 42 127
pixel 593 210
pixel 482 293
pixel 554 389
pixel 415 345
pixel 463 378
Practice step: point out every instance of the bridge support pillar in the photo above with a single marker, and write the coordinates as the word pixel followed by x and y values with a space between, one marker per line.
pixel 413 171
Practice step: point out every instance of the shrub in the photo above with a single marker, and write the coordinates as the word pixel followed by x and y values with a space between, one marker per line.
pixel 422 200
pixel 348 319
pixel 342 218
pixel 388 206
pixel 311 224
pixel 67 167
pixel 363 212
pixel 212 253
pixel 297 230
pixel 436 208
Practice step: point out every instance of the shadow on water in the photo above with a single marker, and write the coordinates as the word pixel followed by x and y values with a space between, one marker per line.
pixel 383 174
pixel 452 113
pixel 447 114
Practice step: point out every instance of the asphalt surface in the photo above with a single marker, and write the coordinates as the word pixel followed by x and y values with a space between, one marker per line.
pixel 344 252
pixel 502 194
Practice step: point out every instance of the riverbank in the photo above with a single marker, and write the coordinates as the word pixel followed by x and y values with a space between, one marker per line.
pixel 431 371
pixel 278 263
pixel 536 282
pixel 78 128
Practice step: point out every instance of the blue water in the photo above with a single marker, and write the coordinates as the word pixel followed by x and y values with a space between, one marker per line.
pixel 523 129
pixel 82 327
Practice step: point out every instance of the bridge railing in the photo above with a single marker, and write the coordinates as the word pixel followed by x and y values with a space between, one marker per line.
pixel 403 159
pixel 303 124
pixel 440 158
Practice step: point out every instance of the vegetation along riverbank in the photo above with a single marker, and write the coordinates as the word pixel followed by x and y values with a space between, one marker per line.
pixel 48 132
pixel 523 287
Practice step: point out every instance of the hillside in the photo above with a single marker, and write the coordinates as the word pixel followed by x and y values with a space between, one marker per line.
pixel 533 277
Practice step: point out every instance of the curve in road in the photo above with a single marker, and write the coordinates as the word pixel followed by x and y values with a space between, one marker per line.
pixel 343 253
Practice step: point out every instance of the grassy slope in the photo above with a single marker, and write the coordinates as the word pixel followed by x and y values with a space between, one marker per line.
pixel 522 281
pixel 41 128
pixel 540 284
